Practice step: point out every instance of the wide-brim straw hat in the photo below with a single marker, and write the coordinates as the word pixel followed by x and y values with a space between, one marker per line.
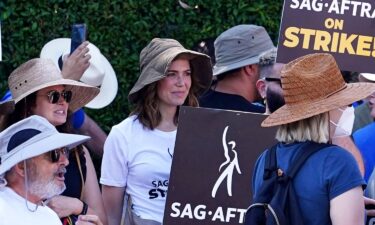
pixel 312 85
pixel 156 57
pixel 99 74
pixel 31 137
pixel 38 73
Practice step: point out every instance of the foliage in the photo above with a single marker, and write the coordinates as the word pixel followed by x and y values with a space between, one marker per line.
pixel 121 29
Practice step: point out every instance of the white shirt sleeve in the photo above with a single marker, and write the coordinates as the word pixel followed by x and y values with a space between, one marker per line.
pixel 114 170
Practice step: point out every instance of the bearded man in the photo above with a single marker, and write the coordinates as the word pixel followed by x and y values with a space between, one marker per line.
pixel 33 157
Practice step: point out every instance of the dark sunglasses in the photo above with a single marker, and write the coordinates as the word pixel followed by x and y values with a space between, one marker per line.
pixel 270 79
pixel 55 154
pixel 54 96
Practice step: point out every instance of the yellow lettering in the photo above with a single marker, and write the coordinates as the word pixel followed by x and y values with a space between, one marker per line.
pixel 322 40
pixel 339 24
pixel 364 45
pixel 329 23
pixel 291 38
pixel 346 43
pixel 325 41
pixel 336 24
pixel 335 41
pixel 307 34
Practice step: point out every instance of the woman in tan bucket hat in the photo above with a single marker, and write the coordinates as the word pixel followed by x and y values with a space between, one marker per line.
pixel 138 151
pixel 38 88
pixel 329 184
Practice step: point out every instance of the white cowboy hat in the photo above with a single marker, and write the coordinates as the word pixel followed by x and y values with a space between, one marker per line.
pixel 100 72
pixel 31 137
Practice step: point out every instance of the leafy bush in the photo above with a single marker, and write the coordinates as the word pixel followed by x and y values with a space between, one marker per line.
pixel 121 29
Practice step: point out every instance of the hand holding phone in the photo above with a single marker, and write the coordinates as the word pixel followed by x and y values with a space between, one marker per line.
pixel 79 32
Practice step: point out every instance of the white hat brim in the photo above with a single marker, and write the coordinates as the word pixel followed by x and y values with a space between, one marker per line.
pixel 368 76
pixel 109 87
pixel 56 140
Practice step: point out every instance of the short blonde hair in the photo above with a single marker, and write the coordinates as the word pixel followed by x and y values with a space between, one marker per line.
pixel 314 129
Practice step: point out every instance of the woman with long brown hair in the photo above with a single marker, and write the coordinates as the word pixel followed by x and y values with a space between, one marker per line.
pixel 138 152
pixel 38 88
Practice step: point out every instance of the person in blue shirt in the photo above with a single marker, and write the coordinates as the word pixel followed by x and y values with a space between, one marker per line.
pixel 312 114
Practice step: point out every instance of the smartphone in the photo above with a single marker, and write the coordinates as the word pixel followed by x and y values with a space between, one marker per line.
pixel 78 36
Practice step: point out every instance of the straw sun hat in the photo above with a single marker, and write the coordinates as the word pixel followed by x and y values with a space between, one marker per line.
pixel 38 73
pixel 156 57
pixel 312 85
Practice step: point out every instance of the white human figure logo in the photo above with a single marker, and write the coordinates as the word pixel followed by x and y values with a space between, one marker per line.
pixel 228 172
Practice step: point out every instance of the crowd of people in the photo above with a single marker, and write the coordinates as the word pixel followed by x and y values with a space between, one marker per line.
pixel 46 172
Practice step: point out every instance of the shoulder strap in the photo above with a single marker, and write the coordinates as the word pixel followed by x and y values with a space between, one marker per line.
pixel 270 163
pixel 308 149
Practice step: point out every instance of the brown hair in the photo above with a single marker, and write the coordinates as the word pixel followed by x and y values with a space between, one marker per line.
pixel 147 107
pixel 23 110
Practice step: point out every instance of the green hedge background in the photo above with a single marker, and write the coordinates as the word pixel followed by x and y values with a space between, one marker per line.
pixel 121 28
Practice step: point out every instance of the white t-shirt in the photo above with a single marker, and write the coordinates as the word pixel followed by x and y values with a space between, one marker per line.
pixel 139 159
pixel 13 210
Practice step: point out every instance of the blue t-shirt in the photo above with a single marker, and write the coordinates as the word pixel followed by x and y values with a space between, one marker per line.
pixel 324 176
pixel 78 116
pixel 365 141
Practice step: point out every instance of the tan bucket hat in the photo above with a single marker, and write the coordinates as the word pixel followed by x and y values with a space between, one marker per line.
pixel 38 73
pixel 156 57
pixel 312 85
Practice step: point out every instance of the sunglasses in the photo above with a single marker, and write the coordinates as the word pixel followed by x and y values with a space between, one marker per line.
pixel 54 96
pixel 270 79
pixel 55 154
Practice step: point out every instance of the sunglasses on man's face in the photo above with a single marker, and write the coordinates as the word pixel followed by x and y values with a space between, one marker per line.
pixel 54 96
pixel 56 154
pixel 270 79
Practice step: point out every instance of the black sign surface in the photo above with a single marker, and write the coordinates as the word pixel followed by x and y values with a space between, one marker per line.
pixel 212 165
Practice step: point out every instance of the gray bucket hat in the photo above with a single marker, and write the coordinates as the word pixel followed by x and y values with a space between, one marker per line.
pixel 156 57
pixel 240 46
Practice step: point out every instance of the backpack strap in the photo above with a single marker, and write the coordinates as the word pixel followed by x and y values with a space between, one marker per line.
pixel 270 164
pixel 308 149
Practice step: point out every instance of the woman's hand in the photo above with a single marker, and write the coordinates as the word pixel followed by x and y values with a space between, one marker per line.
pixel 88 220
pixel 65 206
pixel 76 64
